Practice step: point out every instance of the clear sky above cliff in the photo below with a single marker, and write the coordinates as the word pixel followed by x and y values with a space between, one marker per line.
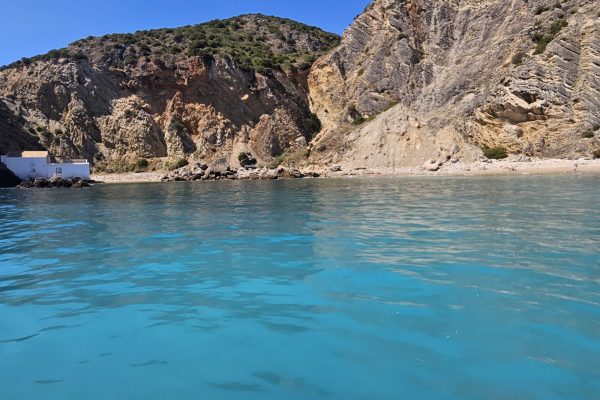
pixel 31 27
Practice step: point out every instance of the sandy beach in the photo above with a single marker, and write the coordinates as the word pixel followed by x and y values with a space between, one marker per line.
pixel 142 177
pixel 490 167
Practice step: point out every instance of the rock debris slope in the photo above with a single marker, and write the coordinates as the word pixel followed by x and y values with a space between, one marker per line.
pixel 440 79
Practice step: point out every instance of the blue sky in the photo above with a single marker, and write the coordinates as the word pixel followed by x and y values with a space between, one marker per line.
pixel 31 27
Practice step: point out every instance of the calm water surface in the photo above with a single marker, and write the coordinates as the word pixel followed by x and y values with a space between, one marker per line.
pixel 454 288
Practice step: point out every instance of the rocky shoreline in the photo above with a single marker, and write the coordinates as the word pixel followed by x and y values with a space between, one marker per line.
pixel 514 165
pixel 202 172
pixel 55 182
pixel 511 166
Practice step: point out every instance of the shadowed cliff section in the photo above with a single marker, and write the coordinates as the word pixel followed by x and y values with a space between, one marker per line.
pixel 437 79
pixel 7 177
pixel 200 92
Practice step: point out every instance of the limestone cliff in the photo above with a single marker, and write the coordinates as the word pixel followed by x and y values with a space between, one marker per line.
pixel 412 80
pixel 200 92
pixel 425 79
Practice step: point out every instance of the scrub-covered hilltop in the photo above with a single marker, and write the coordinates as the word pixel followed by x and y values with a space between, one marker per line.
pixel 444 79
pixel 157 97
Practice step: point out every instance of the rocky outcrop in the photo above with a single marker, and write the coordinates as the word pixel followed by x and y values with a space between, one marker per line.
pixel 201 172
pixel 54 183
pixel 197 93
pixel 412 79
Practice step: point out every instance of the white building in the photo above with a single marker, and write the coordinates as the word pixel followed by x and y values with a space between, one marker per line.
pixel 39 164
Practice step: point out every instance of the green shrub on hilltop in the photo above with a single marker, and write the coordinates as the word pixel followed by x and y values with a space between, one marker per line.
pixel 557 26
pixel 495 153
pixel 171 166
pixel 277 161
pixel 142 164
pixel 589 134
pixel 542 40
pixel 518 58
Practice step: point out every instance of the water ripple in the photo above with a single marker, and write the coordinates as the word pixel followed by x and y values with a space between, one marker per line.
pixel 353 289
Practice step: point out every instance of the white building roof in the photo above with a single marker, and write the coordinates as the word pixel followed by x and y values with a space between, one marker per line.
pixel 34 154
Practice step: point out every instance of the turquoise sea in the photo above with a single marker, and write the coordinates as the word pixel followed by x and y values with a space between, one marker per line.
pixel 387 288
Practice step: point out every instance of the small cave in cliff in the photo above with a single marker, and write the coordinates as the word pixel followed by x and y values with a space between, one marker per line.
pixel 528 97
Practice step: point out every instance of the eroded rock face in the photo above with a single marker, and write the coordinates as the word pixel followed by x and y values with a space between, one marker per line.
pixel 472 72
pixel 167 94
